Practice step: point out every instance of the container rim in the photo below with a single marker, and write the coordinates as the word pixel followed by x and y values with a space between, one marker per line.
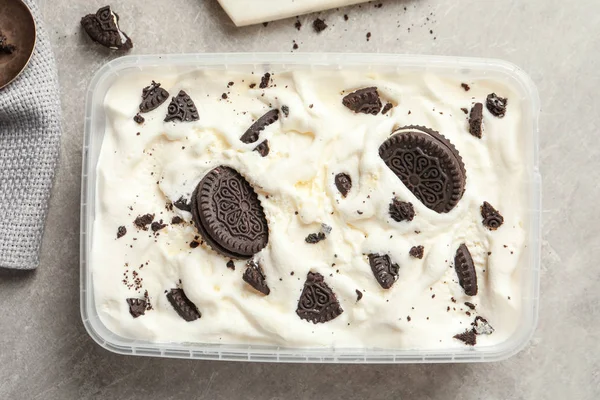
pixel 261 353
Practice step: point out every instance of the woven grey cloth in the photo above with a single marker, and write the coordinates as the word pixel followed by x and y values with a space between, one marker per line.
pixel 29 147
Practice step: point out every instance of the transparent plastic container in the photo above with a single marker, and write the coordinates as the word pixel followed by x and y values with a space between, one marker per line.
pixel 95 120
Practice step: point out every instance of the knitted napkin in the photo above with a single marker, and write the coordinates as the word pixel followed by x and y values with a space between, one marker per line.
pixel 29 147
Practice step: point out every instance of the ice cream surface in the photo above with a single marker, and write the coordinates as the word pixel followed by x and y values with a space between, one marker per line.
pixel 145 168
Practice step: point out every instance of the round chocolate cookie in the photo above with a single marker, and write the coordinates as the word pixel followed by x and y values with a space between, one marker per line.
pixel 428 164
pixel 228 214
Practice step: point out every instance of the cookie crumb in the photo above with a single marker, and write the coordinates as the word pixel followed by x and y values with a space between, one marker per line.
pixel 319 25
pixel 122 231
pixel 264 81
pixel 359 295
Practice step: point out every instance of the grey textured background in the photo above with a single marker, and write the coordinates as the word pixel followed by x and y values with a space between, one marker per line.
pixel 45 352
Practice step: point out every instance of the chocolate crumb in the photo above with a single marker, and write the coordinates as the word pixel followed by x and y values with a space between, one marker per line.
pixel 183 204
pixel 252 85
pixel 265 24
pixel 468 337
pixel 121 232
pixel 319 25
pixel 482 327
pixel 298 24
pixel 224 96
pixel 470 305
pixel 401 210
pixel 465 110
pixel 465 86
pixel 368 36
pixel 177 220
pixel 345 17
pixel 408 318
pixel 387 108
pixel 264 81
pixel 359 295
pixel 5 47
pixel 143 221
pixel 496 105
pixel 295 46
pixel 139 119
pixel 416 252
pixel 194 244
pixel 231 265
pixel 157 226
pixel 285 110
pixel 315 238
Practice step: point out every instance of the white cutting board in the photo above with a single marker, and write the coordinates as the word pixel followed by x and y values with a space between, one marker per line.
pixel 248 12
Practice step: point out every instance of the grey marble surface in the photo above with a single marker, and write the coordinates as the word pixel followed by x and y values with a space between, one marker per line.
pixel 45 352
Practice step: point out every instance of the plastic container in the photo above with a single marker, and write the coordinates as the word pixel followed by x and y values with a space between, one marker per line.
pixel 472 68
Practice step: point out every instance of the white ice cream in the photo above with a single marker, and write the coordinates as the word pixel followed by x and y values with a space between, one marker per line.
pixel 139 174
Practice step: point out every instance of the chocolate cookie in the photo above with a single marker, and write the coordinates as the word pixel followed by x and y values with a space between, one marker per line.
pixel 157 226
pixel 264 81
pixel 416 252
pixel 143 221
pixel 184 306
pixel 229 215
pixel 263 148
pixel 364 101
pixel 476 120
pixel 103 28
pixel 5 46
pixel 465 270
pixel 496 105
pixel 482 327
pixel 137 307
pixel 491 217
pixel 251 134
pixel 401 210
pixel 387 108
pixel 468 337
pixel 152 97
pixel 384 270
pixel 182 108
pixel 255 277
pixel 428 164
pixel 318 303
pixel 343 183
pixel 183 204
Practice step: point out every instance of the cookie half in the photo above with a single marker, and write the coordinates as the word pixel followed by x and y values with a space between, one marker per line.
pixel 103 28
pixel 229 215
pixel 428 164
